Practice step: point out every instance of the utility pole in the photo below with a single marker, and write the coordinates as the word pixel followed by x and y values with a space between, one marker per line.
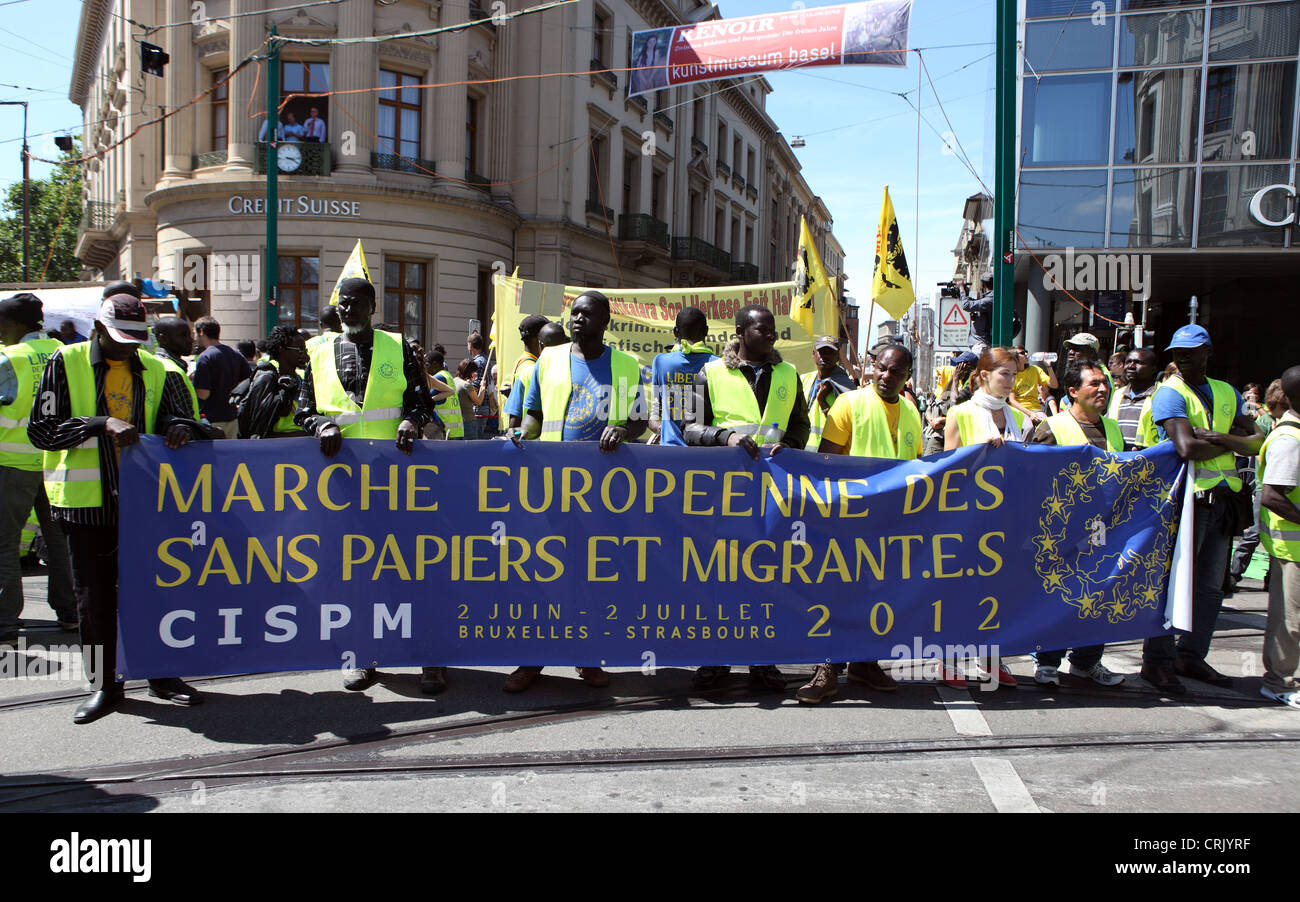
pixel 1004 183
pixel 27 222
pixel 272 185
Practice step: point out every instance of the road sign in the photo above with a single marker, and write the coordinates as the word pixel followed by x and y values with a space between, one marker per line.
pixel 954 324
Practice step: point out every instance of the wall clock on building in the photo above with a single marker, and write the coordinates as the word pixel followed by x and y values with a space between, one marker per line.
pixel 288 157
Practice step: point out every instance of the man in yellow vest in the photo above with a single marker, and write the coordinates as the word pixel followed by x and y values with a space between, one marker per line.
pixel 1198 414
pixel 548 336
pixel 330 325
pixel 1130 404
pixel 876 421
pixel 24 349
pixel 364 383
pixel 1279 473
pixel 581 392
pixel 94 399
pixel 822 386
pixel 1081 423
pixel 443 395
pixel 749 398
pixel 175 342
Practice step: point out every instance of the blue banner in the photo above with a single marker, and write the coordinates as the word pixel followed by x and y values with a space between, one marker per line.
pixel 259 556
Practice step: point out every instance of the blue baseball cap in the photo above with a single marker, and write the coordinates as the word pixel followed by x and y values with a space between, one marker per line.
pixel 1190 336
pixel 965 357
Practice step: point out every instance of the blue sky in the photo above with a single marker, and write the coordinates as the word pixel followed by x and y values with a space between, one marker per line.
pixel 860 135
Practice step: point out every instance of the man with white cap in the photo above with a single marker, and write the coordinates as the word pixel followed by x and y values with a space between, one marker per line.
pixel 94 399
pixel 1198 414
pixel 24 348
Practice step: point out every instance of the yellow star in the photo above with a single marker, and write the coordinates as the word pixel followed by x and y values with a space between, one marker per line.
pixel 1079 478
pixel 1113 466
pixel 1052 580
pixel 1150 596
pixel 1087 603
pixel 1117 606
pixel 1046 543
pixel 1055 507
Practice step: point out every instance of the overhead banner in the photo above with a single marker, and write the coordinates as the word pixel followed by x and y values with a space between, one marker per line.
pixel 267 556
pixel 641 320
pixel 872 34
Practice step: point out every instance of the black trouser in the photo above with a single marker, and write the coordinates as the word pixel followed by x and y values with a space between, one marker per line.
pixel 93 551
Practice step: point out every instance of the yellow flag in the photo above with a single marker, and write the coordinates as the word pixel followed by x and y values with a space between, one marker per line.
pixel 891 286
pixel 355 268
pixel 811 288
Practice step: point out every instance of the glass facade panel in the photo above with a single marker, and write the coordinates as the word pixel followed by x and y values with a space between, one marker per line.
pixel 1156 4
pixel 1069 44
pixel 1155 116
pixel 1038 9
pixel 1063 208
pixel 1162 39
pixel 1226 192
pixel 1152 207
pixel 1263 30
pixel 1066 120
pixel 1248 112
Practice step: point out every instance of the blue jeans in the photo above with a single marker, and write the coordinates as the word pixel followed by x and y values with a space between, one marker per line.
pixel 1211 545
pixel 1083 658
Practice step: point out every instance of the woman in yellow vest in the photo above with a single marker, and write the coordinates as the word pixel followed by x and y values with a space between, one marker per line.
pixel 987 417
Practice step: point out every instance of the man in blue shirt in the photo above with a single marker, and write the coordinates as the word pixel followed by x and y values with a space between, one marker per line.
pixel 593 397
pixel 673 375
pixel 1196 414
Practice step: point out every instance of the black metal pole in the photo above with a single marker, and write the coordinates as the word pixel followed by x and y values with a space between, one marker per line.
pixel 27 223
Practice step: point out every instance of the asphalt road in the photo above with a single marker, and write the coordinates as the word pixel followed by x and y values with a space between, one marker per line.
pixel 299 742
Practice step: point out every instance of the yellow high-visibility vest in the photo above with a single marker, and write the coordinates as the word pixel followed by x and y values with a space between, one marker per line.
pixel 381 413
pixel 449 410
pixel 1067 431
pixel 553 369
pixel 1281 537
pixel 72 476
pixel 28 361
pixel 967 427
pixel 735 407
pixel 1223 467
pixel 871 435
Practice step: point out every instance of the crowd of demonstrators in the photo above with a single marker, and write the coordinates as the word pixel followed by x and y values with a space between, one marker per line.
pixel 582 391
pixel 109 390
pixel 1083 422
pixel 249 350
pixel 217 370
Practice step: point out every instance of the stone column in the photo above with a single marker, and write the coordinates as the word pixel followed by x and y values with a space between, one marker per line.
pixel 500 130
pixel 246 34
pixel 179 129
pixel 450 103
pixel 356 66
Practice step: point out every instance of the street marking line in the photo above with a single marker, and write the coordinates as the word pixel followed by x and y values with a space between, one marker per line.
pixel 963 712
pixel 1006 790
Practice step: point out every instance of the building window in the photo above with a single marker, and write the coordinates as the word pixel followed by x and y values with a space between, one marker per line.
pixel 1218 99
pixel 630 187
pixel 750 175
pixel 299 291
pixel 399 114
pixel 596 171
pixel 304 118
pixel 602 26
pixel 471 135
pixel 220 109
pixel 656 195
pixel 1066 120
pixel 404 298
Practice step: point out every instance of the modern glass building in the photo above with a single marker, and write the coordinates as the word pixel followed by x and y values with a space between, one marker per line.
pixel 1161 137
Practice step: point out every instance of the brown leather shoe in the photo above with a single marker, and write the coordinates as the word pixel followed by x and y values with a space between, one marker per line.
pixel 1196 669
pixel 594 677
pixel 521 679
pixel 825 683
pixel 870 673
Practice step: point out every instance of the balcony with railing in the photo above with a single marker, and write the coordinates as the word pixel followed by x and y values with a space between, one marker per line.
pixel 724 171
pixel 595 208
pixel 664 121
pixel 315 158
pixel 600 74
pixel 395 163
pixel 211 158
pixel 643 227
pixel 701 251
pixel 751 191
pixel 744 273
pixel 481 182
pixel 94 246
pixel 699 145
pixel 738 180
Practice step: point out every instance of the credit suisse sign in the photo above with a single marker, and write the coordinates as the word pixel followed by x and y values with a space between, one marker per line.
pixel 1257 205
pixel 302 205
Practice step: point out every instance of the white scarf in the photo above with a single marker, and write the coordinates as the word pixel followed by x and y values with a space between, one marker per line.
pixel 986 404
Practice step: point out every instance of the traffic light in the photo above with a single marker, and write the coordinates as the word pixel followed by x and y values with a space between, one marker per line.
pixel 153 59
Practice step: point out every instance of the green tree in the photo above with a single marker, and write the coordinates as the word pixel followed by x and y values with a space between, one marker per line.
pixel 55 205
